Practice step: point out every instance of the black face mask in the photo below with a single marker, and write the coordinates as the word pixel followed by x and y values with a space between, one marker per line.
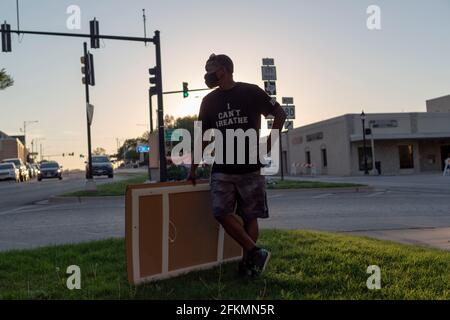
pixel 212 80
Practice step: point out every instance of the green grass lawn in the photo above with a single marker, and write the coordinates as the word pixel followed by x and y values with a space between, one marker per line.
pixel 109 189
pixel 305 265
pixel 296 184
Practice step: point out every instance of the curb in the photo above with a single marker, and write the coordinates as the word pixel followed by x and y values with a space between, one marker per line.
pixel 62 200
pixel 334 190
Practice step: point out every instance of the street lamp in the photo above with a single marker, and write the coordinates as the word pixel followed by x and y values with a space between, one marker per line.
pixel 363 120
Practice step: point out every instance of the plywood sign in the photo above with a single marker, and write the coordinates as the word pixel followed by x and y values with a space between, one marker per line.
pixel 170 230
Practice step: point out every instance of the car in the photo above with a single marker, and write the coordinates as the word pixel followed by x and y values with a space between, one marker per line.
pixel 8 171
pixel 36 169
pixel 24 175
pixel 31 172
pixel 50 170
pixel 101 166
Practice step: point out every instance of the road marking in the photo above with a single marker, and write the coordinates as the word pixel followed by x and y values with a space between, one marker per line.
pixel 324 195
pixel 372 195
pixel 13 210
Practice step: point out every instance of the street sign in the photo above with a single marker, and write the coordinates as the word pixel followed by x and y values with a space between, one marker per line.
pixel 90 112
pixel 172 135
pixel 143 148
pixel 270 87
pixel 287 100
pixel 290 112
pixel 289 125
pixel 268 62
pixel 269 124
pixel 269 73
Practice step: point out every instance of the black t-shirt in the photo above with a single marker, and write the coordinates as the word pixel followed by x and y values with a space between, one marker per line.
pixel 240 107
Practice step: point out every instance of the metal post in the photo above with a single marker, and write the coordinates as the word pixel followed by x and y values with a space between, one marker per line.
pixel 150 106
pixel 374 169
pixel 162 147
pixel 366 169
pixel 149 134
pixel 86 58
pixel 281 154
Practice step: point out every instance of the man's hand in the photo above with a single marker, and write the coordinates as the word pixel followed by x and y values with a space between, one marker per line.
pixel 192 177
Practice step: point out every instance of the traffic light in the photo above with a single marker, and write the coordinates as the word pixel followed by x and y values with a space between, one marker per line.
pixel 88 69
pixel 6 37
pixel 153 80
pixel 95 32
pixel 185 90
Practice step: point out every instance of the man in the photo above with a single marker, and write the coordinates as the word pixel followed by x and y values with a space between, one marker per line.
pixel 237 187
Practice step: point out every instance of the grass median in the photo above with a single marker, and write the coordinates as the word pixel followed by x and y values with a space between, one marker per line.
pixel 304 184
pixel 118 188
pixel 109 189
pixel 304 265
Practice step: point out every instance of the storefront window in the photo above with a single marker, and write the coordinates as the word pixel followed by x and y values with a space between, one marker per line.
pixel 324 158
pixel 406 155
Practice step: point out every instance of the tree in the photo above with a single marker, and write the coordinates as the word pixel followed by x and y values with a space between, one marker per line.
pixel 99 151
pixel 5 80
pixel 169 122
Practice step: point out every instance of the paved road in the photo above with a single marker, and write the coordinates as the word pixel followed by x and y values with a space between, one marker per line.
pixel 378 210
pixel 13 195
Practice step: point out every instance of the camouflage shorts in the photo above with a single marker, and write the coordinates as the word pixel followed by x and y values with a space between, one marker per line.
pixel 245 193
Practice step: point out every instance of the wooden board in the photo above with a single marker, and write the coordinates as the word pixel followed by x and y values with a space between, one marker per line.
pixel 170 230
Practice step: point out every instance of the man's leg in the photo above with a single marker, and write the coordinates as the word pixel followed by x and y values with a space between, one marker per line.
pixel 237 231
pixel 251 227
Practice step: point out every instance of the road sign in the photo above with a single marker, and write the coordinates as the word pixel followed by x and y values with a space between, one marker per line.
pixel 287 100
pixel 269 124
pixel 270 87
pixel 289 125
pixel 268 62
pixel 290 112
pixel 143 148
pixel 269 73
pixel 172 135
pixel 90 112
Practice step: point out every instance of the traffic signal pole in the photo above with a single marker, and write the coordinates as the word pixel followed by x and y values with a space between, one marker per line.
pixel 86 84
pixel 95 37
pixel 162 145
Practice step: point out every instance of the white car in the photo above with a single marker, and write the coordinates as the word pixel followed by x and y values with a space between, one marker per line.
pixel 8 171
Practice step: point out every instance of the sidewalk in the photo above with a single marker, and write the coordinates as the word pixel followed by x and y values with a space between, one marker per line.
pixel 431 237
pixel 434 182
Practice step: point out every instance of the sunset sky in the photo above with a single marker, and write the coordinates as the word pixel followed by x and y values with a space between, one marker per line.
pixel 326 58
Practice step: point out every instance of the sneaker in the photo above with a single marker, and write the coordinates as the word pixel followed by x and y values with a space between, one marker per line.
pixel 258 261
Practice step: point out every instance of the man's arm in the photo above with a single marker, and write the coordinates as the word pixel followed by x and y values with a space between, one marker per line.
pixel 278 122
pixel 192 173
pixel 203 117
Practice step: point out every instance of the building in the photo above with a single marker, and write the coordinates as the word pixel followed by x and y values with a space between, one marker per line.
pixel 403 143
pixel 441 104
pixel 11 147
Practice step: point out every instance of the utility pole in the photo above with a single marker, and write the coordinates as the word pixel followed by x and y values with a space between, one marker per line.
pixel 25 129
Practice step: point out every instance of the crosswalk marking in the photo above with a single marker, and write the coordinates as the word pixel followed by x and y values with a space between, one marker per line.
pixel 323 195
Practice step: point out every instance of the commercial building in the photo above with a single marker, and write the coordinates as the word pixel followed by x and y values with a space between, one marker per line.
pixel 399 143
pixel 11 147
